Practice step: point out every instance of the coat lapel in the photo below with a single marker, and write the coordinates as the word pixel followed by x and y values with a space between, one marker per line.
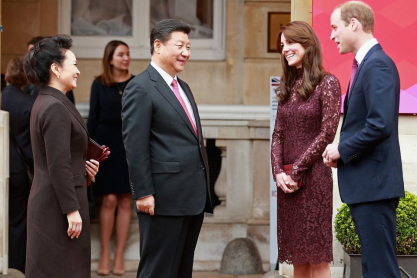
pixel 169 95
pixel 61 97
pixel 347 98
pixel 373 49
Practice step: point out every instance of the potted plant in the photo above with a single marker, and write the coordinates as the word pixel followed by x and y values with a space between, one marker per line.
pixel 406 238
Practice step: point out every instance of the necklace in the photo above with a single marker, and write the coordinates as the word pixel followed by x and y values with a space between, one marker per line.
pixel 122 88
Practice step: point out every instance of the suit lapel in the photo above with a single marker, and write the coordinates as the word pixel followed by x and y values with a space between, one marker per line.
pixel 169 95
pixel 61 97
pixel 372 50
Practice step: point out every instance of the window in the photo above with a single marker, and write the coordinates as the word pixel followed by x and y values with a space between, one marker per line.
pixel 93 23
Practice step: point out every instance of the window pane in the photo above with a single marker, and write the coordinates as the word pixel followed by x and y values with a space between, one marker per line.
pixel 197 13
pixel 101 18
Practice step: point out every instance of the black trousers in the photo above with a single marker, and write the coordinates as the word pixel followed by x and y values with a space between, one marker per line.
pixel 167 245
pixel 375 223
pixel 19 188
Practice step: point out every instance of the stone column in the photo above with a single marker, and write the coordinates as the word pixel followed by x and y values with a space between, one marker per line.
pixel 4 191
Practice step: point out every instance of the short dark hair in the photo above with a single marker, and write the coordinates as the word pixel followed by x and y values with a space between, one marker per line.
pixel 35 40
pixel 14 72
pixel 164 28
pixel 39 59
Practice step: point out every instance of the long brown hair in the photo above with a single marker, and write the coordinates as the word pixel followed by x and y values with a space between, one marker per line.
pixel 312 64
pixel 106 77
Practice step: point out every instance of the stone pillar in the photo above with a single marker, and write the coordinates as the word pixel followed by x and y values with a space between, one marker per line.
pixel 302 10
pixel 4 191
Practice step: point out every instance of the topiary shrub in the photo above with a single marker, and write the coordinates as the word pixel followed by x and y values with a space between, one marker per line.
pixel 406 227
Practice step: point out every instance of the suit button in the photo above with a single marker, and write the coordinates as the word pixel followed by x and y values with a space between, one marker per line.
pixel 341 133
pixel 84 156
pixel 202 167
pixel 86 175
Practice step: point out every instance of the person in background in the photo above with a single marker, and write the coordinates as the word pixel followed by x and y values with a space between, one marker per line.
pixel 58 237
pixel 306 122
pixel 368 157
pixel 105 126
pixel 19 106
pixel 30 88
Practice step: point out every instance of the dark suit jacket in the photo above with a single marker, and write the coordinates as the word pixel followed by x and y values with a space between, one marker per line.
pixel 164 155
pixel 59 141
pixel 370 165
pixel 19 106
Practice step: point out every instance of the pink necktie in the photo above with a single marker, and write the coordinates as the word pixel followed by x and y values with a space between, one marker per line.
pixel 177 94
pixel 352 75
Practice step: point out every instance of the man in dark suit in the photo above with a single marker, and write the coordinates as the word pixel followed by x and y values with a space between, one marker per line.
pixel 19 106
pixel 368 156
pixel 167 160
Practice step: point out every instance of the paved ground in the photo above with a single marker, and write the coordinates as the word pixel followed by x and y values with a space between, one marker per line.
pixel 195 275
pixel 16 274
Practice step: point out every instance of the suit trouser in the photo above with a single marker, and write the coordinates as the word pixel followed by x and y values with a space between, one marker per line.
pixel 375 223
pixel 167 245
pixel 19 189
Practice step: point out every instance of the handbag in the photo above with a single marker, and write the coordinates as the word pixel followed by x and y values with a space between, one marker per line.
pixel 302 181
pixel 29 169
pixel 97 152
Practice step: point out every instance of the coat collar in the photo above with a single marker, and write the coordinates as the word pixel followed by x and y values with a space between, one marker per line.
pixel 167 93
pixel 47 90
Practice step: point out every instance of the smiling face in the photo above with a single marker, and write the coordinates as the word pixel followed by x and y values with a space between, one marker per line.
pixel 68 72
pixel 121 58
pixel 293 52
pixel 172 55
pixel 342 34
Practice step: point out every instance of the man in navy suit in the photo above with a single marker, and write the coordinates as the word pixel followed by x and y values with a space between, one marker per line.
pixel 368 156
pixel 165 153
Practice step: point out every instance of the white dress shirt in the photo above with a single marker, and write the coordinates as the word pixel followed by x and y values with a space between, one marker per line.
pixel 365 49
pixel 168 79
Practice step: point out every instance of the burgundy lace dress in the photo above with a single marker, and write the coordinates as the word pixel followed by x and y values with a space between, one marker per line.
pixel 302 131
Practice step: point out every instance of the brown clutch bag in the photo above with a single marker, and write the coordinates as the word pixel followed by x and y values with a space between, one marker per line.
pixel 302 181
pixel 97 152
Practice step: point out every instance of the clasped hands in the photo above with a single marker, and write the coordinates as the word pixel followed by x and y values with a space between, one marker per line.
pixel 331 155
pixel 286 183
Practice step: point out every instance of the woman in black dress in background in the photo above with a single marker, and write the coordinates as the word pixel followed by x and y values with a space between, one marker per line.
pixel 105 126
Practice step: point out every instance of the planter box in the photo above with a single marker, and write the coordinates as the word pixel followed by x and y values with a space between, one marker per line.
pixel 353 266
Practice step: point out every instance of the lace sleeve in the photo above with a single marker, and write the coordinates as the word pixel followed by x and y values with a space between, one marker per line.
pixel 277 145
pixel 330 104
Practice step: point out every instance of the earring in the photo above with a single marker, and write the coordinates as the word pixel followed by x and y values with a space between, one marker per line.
pixel 58 76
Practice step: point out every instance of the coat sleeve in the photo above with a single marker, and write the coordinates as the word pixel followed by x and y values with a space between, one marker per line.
pixel 95 109
pixel 136 129
pixel 277 146
pixel 56 131
pixel 380 93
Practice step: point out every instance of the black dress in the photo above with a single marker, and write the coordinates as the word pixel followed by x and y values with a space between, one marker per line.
pixel 105 126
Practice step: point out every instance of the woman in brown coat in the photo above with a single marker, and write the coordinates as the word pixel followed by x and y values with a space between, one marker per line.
pixel 58 243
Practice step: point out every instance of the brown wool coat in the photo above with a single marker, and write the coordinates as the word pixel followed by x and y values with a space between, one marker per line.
pixel 59 142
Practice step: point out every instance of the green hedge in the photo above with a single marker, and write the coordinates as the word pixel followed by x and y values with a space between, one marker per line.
pixel 406 227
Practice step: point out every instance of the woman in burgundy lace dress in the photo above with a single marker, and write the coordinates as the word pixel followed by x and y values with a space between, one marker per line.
pixel 307 120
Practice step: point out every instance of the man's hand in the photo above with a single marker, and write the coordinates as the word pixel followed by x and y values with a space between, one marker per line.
pixel 328 163
pixel 146 204
pixel 331 153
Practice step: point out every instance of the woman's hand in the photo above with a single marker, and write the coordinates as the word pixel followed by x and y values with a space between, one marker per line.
pixel 92 168
pixel 286 183
pixel 74 224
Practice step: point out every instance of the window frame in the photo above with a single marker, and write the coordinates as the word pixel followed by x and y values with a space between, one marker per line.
pixel 93 46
